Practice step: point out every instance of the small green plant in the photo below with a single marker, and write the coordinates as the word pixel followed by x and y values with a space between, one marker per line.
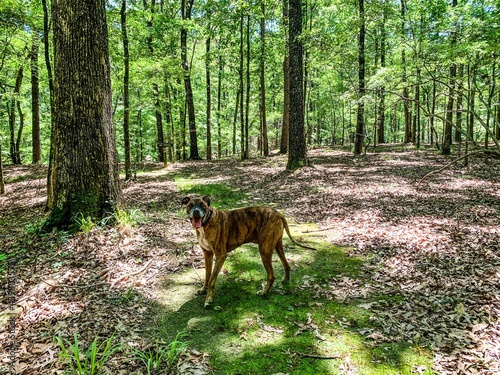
pixel 154 358
pixel 3 262
pixel 126 220
pixel 84 224
pixel 91 361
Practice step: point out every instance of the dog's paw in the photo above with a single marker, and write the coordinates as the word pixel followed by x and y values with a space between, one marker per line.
pixel 208 303
pixel 201 291
pixel 262 293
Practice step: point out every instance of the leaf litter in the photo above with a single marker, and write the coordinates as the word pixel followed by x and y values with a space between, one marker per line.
pixel 430 277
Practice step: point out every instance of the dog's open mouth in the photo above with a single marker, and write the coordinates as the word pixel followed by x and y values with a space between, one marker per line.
pixel 196 222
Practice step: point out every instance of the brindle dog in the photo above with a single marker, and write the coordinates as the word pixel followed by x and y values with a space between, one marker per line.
pixel 220 232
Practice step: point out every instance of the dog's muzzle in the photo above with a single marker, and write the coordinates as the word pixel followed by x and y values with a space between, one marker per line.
pixel 197 215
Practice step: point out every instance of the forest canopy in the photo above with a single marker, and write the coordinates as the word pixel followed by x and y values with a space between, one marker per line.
pixel 430 73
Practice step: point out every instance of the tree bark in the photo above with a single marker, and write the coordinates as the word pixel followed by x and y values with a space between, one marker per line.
pixel 381 104
pixel 86 180
pixel 408 137
pixel 241 81
pixel 35 101
pixel 448 124
pixel 209 101
pixel 219 105
pixel 360 124
pixel 265 142
pixel 126 94
pixel 15 153
pixel 297 142
pixel 187 6
pixel 246 154
pixel 286 85
pixel 48 65
pixel 2 184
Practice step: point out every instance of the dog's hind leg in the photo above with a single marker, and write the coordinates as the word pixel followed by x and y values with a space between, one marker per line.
pixel 281 254
pixel 267 259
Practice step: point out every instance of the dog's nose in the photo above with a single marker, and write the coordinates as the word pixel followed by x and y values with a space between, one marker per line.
pixel 197 213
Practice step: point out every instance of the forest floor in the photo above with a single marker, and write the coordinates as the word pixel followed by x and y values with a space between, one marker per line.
pixel 406 279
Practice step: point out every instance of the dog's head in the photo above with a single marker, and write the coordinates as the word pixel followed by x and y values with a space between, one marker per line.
pixel 197 210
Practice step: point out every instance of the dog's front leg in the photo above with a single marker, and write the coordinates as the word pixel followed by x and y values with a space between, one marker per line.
pixel 208 256
pixel 219 261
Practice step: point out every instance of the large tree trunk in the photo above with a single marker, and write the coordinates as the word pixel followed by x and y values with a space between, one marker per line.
pixel 286 85
pixel 360 122
pixel 35 101
pixel 297 142
pixel 86 181
pixel 126 94
pixel 209 100
pixel 265 142
pixel 48 65
pixel 187 6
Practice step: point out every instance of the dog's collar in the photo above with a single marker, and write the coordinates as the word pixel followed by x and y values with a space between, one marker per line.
pixel 207 217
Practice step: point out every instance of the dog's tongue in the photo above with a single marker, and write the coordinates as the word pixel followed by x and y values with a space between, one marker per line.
pixel 196 222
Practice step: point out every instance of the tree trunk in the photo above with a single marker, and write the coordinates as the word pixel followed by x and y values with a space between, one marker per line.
pixel 246 154
pixel 297 142
pixel 381 104
pixel 460 96
pixel 86 180
pixel 219 104
pixel 126 95
pixel 471 73
pixel 360 125
pixel 48 65
pixel 497 127
pixel 160 138
pixel 187 6
pixel 35 101
pixel 286 85
pixel 235 119
pixel 15 154
pixel 265 142
pixel 408 137
pixel 209 100
pixel 416 123
pixel 491 93
pixel 448 125
pixel 241 81
pixel 2 184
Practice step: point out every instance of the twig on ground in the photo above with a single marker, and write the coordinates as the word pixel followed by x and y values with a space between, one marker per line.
pixel 131 274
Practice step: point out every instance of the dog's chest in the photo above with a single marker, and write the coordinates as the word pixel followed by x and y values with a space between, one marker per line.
pixel 202 239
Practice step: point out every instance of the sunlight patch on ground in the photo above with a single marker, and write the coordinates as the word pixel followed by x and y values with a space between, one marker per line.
pixel 179 288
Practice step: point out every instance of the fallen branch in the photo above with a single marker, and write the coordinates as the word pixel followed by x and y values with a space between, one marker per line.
pixel 494 154
pixel 131 274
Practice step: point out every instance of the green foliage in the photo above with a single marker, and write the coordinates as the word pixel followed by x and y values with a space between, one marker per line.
pixel 162 354
pixel 90 361
pixel 84 224
pixel 329 36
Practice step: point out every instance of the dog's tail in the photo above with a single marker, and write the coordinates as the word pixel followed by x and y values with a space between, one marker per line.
pixel 285 225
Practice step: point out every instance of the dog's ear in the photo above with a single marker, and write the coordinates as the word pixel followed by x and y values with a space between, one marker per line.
pixel 206 199
pixel 185 200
